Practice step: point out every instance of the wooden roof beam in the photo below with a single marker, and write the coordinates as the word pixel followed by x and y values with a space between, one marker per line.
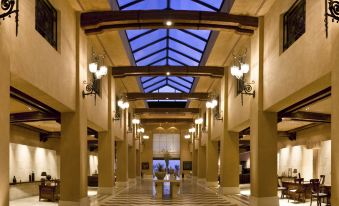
pixel 166 110
pixel 156 121
pixel 100 21
pixel 166 96
pixel 214 72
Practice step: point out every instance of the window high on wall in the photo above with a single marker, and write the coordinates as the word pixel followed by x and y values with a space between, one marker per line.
pixel 166 143
pixel 294 23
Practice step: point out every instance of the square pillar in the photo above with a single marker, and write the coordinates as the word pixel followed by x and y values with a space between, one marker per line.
pixel 211 156
pixel 264 135
pixel 4 121
pixel 122 155
pixel 195 154
pixel 132 161
pixel 138 162
pixel 73 159
pixel 201 161
pixel 73 141
pixel 229 148
pixel 106 147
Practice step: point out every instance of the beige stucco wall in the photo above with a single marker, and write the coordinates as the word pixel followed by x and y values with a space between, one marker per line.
pixel 185 151
pixel 305 66
pixel 147 154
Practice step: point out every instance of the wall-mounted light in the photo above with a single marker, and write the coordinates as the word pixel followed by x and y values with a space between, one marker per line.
pixel 199 121
pixel 7 9
pixel 187 136
pixel 331 11
pixel 145 137
pixel 135 121
pixel 192 130
pixel 211 104
pixel 141 130
pixel 122 104
pixel 239 69
pixel 96 66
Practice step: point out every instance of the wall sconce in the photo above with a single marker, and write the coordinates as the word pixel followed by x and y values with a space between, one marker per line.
pixel 332 11
pixel 135 121
pixel 211 104
pixel 145 137
pixel 187 136
pixel 7 8
pixel 123 105
pixel 141 130
pixel 192 130
pixel 239 69
pixel 199 121
pixel 97 66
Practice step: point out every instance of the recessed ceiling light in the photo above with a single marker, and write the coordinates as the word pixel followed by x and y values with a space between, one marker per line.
pixel 169 23
pixel 168 73
pixel 167 98
pixel 29 108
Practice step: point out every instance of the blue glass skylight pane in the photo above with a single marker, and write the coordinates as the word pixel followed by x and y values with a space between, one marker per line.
pixel 152 59
pixel 161 63
pixel 178 87
pixel 157 86
pixel 184 49
pixel 214 3
pixel 174 63
pixel 148 5
pixel 148 50
pixel 182 59
pixel 166 89
pixel 188 5
pixel 124 2
pixel 143 79
pixel 187 38
pixel 134 33
pixel 202 33
pixel 191 79
pixel 153 81
pixel 180 81
pixel 149 38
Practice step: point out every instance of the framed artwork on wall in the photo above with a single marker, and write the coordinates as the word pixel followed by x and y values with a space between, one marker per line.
pixel 145 166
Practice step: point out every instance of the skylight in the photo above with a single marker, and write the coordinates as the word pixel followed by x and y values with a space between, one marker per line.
pixel 173 47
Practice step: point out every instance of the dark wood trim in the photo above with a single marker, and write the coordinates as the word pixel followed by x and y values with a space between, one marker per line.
pixel 215 72
pixel 308 117
pixel 30 101
pixel 166 110
pixel 168 120
pixel 31 128
pixel 166 96
pixel 33 117
pixel 100 21
pixel 306 102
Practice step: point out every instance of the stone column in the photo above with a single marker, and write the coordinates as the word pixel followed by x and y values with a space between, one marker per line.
pixel 195 154
pixel 138 160
pixel 122 155
pixel 211 156
pixel 73 141
pixel 335 127
pixel 106 163
pixel 229 149
pixel 263 137
pixel 4 119
pixel 132 158
pixel 201 159
pixel 106 145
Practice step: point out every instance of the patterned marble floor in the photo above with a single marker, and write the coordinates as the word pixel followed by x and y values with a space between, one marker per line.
pixel 191 194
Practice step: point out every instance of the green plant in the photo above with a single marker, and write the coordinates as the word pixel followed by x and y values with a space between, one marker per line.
pixel 159 167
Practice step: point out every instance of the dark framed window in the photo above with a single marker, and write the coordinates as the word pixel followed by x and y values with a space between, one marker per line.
pixel 46 21
pixel 294 23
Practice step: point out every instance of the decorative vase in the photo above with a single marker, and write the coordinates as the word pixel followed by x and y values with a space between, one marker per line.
pixel 33 177
pixel 14 180
pixel 160 175
pixel 30 178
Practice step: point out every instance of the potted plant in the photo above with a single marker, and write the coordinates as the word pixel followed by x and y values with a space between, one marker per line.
pixel 160 173
pixel 167 157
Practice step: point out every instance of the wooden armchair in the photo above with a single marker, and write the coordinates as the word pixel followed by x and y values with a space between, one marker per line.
pixel 298 191
pixel 316 193
pixel 50 192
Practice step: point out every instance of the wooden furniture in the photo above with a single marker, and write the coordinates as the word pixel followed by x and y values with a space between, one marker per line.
pixel 327 190
pixel 49 191
pixel 92 181
pixel 316 192
pixel 297 191
pixel 283 190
